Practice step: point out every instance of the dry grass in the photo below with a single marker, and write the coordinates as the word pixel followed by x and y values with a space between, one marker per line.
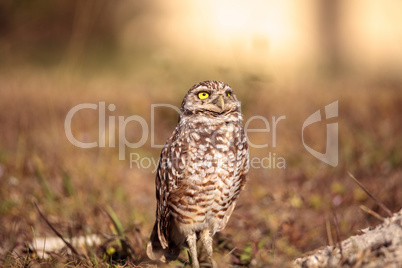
pixel 280 215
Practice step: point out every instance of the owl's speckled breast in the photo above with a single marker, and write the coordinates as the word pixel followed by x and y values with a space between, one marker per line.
pixel 211 177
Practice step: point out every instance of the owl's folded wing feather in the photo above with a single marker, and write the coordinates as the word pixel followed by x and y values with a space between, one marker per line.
pixel 168 179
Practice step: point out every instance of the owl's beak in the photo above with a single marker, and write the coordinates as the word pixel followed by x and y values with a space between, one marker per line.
pixel 220 102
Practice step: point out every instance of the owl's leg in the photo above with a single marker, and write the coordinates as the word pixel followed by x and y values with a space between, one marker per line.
pixel 206 239
pixel 192 244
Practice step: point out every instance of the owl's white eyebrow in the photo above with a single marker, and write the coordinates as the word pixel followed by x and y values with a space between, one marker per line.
pixel 199 89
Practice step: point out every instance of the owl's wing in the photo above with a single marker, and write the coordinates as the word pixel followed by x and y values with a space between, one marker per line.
pixel 244 165
pixel 241 171
pixel 168 179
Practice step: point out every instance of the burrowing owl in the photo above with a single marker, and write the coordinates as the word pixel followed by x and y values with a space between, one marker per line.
pixel 202 169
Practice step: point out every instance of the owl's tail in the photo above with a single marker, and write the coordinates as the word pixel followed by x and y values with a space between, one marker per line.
pixel 157 253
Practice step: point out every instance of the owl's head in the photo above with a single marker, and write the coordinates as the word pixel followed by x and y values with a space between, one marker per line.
pixel 210 98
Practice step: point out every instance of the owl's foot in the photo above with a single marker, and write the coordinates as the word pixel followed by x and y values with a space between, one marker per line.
pixel 206 239
pixel 192 244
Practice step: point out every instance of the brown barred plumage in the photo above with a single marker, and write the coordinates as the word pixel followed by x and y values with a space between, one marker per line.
pixel 202 169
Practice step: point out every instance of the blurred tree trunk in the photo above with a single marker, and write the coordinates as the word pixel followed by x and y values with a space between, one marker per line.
pixel 329 17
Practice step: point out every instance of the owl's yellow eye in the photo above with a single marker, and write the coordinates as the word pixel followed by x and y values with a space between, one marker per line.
pixel 203 95
pixel 228 94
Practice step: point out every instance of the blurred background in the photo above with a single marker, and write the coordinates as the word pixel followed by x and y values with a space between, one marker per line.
pixel 282 58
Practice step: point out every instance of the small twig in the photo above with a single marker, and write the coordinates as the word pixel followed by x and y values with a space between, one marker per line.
pixel 337 234
pixel 56 232
pixel 329 233
pixel 230 252
pixel 369 194
pixel 371 212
